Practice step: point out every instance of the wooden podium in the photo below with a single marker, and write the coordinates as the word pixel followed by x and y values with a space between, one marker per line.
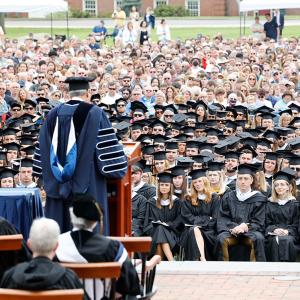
pixel 119 195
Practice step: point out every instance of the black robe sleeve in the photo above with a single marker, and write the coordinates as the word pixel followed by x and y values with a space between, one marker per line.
pixel 225 222
pixel 138 214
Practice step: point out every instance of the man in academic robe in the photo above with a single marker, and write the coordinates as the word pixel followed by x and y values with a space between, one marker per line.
pixel 25 174
pixel 82 245
pixel 242 217
pixel 138 185
pixel 77 150
pixel 41 273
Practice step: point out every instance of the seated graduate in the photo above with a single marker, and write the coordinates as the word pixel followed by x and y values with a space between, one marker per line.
pixel 179 182
pixel 9 259
pixel 242 217
pixel 138 201
pixel 162 218
pixel 7 176
pixel 282 218
pixel 83 245
pixel 41 273
pixel 25 175
pixel 216 177
pixel 199 214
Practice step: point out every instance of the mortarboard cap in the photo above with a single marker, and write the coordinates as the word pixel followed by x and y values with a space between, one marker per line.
pixel 138 106
pixel 271 155
pixel 12 147
pixel 232 154
pixel 185 162
pixel 160 155
pixel 7 172
pixel 86 207
pixel 215 166
pixel 78 83
pixel 247 169
pixel 286 174
pixel 177 171
pixel 26 163
pixel 195 174
pixel 165 177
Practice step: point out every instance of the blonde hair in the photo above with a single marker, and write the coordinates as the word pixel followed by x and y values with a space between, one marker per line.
pixel 221 185
pixel 193 197
pixel 283 116
pixel 292 191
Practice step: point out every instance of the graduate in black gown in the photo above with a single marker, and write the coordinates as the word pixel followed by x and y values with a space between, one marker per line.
pixel 41 273
pixel 138 203
pixel 10 258
pixel 242 217
pixel 179 182
pixel 199 214
pixel 138 185
pixel 83 245
pixel 270 166
pixel 162 219
pixel 282 218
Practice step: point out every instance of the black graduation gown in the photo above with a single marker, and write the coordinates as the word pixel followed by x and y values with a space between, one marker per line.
pixel 147 190
pixel 138 214
pixel 286 217
pixel 205 215
pixel 96 248
pixel 162 234
pixel 233 212
pixel 40 274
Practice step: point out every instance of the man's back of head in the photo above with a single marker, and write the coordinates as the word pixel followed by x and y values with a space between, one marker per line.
pixel 43 237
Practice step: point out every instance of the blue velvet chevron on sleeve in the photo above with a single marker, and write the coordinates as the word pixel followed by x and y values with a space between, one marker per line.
pixel 37 162
pixel 110 156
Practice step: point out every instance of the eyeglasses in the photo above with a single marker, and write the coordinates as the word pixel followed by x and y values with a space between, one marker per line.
pixel 295 169
pixel 16 109
pixel 137 115
pixel 169 116
pixel 282 138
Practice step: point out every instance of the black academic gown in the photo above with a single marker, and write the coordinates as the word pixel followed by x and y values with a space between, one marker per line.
pixel 40 274
pixel 204 215
pixel 138 214
pixel 160 233
pixel 233 212
pixel 282 248
pixel 147 190
pixel 92 247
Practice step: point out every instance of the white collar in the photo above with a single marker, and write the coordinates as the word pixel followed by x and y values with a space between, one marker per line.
pixel 244 196
pixel 165 202
pixel 137 187
pixel 283 202
pixel 201 196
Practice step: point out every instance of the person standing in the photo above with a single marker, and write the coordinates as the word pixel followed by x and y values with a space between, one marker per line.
pixel 257 29
pixel 271 27
pixel 119 16
pixel 77 150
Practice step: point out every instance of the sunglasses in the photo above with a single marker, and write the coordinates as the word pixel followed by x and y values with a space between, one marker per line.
pixel 137 115
pixel 121 105
pixel 16 109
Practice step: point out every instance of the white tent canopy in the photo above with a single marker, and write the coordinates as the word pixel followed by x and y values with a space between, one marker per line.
pixel 30 6
pixel 249 5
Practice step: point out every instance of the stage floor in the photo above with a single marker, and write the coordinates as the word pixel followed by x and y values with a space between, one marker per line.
pixel 222 281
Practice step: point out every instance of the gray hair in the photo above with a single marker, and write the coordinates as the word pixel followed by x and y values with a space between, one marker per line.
pixel 77 93
pixel 81 223
pixel 43 236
